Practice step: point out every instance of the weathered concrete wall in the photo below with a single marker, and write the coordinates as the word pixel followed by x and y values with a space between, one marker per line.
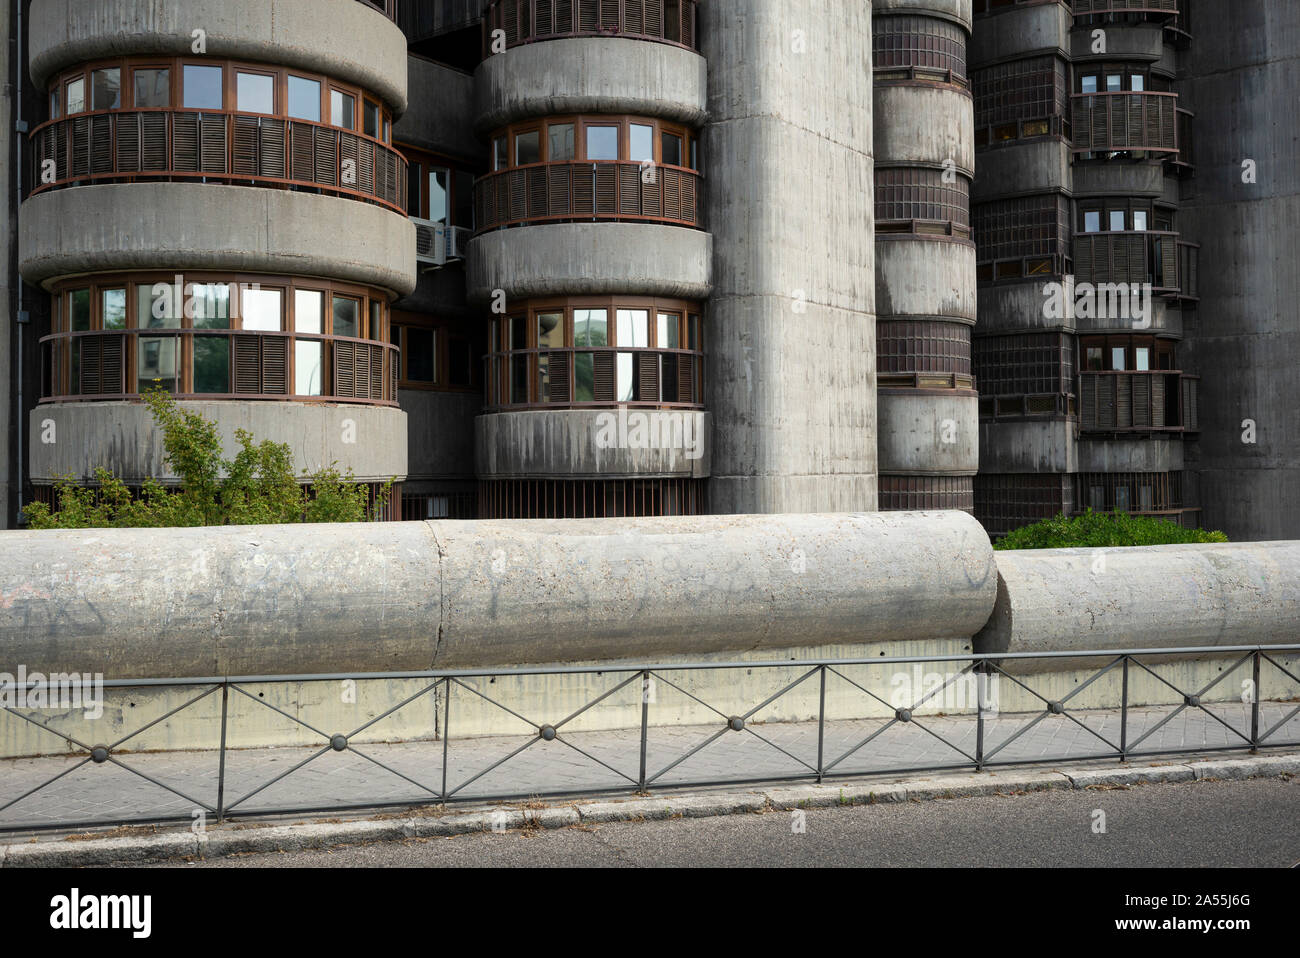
pixel 440 433
pixel 929 433
pixel 1038 446
pixel 122 437
pixel 925 279
pixel 403 596
pixel 1021 167
pixel 566 443
pixel 1242 83
pixel 340 38
pixel 577 259
pixel 591 75
pixel 1012 34
pixel 791 325
pixel 1059 600
pixel 441 114
pixel 181 226
pixel 8 278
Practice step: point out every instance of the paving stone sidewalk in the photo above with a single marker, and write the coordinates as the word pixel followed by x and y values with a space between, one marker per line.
pixel 72 790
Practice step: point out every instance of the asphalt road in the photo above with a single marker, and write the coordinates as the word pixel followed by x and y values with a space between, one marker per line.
pixel 1225 824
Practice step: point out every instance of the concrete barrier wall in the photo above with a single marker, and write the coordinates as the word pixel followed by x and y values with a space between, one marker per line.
pixel 410 596
pixel 1057 600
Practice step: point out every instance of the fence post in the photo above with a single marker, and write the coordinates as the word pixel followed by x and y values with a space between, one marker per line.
pixel 1254 706
pixel 821 725
pixel 221 756
pixel 645 722
pixel 1123 716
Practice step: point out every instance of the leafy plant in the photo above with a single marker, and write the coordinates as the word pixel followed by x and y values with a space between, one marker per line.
pixel 1100 529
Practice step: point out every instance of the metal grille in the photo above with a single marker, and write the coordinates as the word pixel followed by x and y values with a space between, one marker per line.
pixel 918 493
pixel 1004 502
pixel 526 21
pixel 1031 89
pixel 1025 364
pixel 590 498
pixel 1025 228
pixel 918 46
pixel 1137 493
pixel 912 199
pixel 904 346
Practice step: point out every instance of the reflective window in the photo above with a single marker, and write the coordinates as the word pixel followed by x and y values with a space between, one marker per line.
pixel 439 198
pixel 671 149
pixel 602 143
pixel 1089 84
pixel 255 93
pixel 625 389
pixel 633 327
pixel 584 378
pixel 77 96
pixel 1117 221
pixel 156 363
pixel 1138 82
pixel 1140 220
pixel 370 119
pixel 1117 358
pixel 202 88
pixel 106 89
pixel 641 143
pixel 590 327
pixel 156 307
pixel 308 374
pixel 211 364
pixel 54 106
pixel 559 142
pixel 1092 221
pixel 347 316
pixel 79 310
pixel 669 331
pixel 376 330
pixel 421 355
pixel 550 330
pixel 113 308
pixel 211 307
pixel 1114 83
pixel 528 148
pixel 343 110
pixel 152 88
pixel 261 309
pixel 308 311
pixel 1142 358
pixel 304 98
pixel 500 154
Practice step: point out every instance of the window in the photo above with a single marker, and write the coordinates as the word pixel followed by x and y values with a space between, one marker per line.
pixel 1142 358
pixel 641 143
pixel 1094 359
pixel 550 330
pixel 54 105
pixel 633 328
pixel 113 308
pixel 347 316
pixel 152 88
pixel 304 98
pixel 626 388
pixel 421 355
pixel 79 310
pixel 559 142
pixel 202 88
pixel 376 330
pixel 211 305
pixel 584 378
pixel 308 371
pixel 1117 221
pixel 528 148
pixel 500 153
pixel 1092 221
pixel 1118 357
pixel 671 149
pixel 255 93
pixel 669 331
pixel 106 89
pixel 76 91
pixel 439 200
pixel 261 309
pixel 211 364
pixel 343 110
pixel 155 307
pixel 589 327
pixel 370 119
pixel 1089 85
pixel 1114 83
pixel 602 143
pixel 156 363
pixel 308 309
pixel 1140 220
pixel 1137 82
pixel 464 197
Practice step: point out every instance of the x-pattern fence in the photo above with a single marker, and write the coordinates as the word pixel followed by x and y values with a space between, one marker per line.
pixel 806 743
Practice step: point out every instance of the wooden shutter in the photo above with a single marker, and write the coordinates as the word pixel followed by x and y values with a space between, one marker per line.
pixel 302 153
pixel 376 371
pixel 153 142
pixel 537 191
pixel 275 365
pixel 344 369
pixel 271 143
pixel 603 376
pixel 588 16
pixel 686 379
pixel 80 146
pixel 606 179
pixel 629 189
pixel 244 156
pixel 128 143
pixel 101 144
pixel 559 198
pixel 213 145
pixel 327 157
pixel 558 372
pixel 648 368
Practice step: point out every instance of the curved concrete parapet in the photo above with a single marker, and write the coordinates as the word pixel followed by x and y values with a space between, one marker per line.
pixel 183 226
pixel 928 433
pixel 593 444
pixel 406 596
pixel 955 10
pixel 581 259
pixel 591 75
pixel 1023 31
pixel 339 38
pixel 924 278
pixel 928 125
pixel 122 437
pixel 1062 600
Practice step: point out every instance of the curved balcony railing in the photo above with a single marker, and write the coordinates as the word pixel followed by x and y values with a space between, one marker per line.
pixel 387 7
pixel 576 192
pixel 1082 8
pixel 1148 401
pixel 528 21
pixel 97 365
pixel 226 147
pixel 1128 257
pixel 1113 122
pixel 582 378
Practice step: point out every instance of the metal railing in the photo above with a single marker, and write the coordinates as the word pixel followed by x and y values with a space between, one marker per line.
pixel 1088 7
pixel 218 146
pixel 578 192
pixel 627 753
pixel 528 21
pixel 577 377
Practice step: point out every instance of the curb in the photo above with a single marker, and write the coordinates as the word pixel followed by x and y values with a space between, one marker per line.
pixel 80 851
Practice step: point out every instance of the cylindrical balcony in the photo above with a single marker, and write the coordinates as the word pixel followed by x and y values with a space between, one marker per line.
pixel 1149 402
pixel 1125 122
pixel 1128 257
pixel 528 21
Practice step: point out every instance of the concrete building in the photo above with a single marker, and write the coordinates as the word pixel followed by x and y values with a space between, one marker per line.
pixel 600 258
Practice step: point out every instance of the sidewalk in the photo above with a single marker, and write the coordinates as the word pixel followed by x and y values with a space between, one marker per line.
pixel 578 763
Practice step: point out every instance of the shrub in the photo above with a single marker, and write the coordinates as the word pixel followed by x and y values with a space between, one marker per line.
pixel 1100 529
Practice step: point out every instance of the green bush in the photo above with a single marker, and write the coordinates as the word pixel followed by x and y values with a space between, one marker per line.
pixel 258 487
pixel 1100 529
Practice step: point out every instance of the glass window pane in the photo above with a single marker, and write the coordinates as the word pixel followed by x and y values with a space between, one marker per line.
pixel 211 364
pixel 528 148
pixel 1122 498
pixel 421 355
pixel 550 330
pixel 113 308
pixel 671 148
pixel 211 306
pixel 1140 220
pixel 559 142
pixel 347 316
pixel 693 332
pixel 590 327
pixel 153 88
pixel 1142 358
pixel 156 307
pixel 1138 82
pixel 1117 221
pixel 304 99
pixel 375 328
pixel 439 198
pixel 106 89
pixel 641 143
pixel 1094 358
pixel 1089 84
pixel 1117 358
pixel 633 327
pixel 54 105
pixel 308 307
pixel 370 119
pixel 500 155
pixel 202 88
pixel 261 309
pixel 670 328
pixel 79 309
pixel 343 110
pixel 255 93
pixel 1092 222
pixel 584 378
pixel 307 372
pixel 602 143
pixel 519 333
pixel 77 96
pixel 1114 83
pixel 156 363
pixel 625 390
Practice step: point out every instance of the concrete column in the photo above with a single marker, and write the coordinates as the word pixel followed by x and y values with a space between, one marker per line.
pixel 790 332
pixel 1246 345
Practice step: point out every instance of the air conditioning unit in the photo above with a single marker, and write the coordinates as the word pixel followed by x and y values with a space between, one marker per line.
pixel 430 242
pixel 457 240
